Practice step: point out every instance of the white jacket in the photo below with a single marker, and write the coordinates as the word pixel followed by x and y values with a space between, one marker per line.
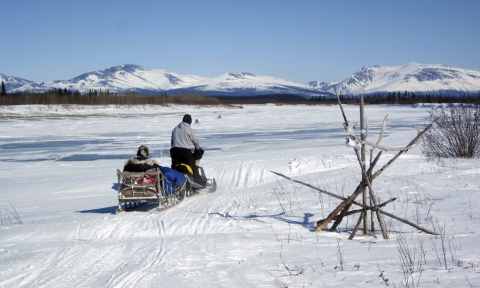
pixel 183 136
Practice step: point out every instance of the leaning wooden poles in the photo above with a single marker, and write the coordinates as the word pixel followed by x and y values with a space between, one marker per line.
pixel 368 176
pixel 342 209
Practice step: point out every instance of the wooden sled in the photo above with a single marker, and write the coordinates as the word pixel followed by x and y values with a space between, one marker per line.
pixel 139 188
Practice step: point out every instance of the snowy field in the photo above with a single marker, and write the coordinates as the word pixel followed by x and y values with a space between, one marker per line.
pixel 59 227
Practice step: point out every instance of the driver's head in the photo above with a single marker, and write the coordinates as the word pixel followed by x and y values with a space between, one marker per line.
pixel 187 119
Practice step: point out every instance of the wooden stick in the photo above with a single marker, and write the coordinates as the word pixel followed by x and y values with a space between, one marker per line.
pixel 328 193
pixel 342 205
pixel 356 227
pixel 368 208
pixel 407 222
pixel 419 135
pixel 317 189
pixel 370 169
pixel 340 104
pixel 352 197
pixel 348 204
pixel 339 218
pixel 372 217
pixel 372 196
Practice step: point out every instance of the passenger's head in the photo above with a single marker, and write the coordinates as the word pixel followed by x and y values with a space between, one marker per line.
pixel 142 151
pixel 187 119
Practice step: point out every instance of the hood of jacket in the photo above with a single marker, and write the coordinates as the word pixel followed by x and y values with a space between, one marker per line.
pixel 182 125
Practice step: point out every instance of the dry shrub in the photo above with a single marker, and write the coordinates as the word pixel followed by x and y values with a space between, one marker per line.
pixel 455 135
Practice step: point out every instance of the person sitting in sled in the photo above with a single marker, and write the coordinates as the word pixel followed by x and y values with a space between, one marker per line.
pixel 140 163
pixel 182 139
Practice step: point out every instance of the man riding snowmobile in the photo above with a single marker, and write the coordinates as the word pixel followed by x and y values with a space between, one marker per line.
pixel 181 152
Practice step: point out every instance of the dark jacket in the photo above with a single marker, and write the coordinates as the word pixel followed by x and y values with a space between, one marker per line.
pixel 140 164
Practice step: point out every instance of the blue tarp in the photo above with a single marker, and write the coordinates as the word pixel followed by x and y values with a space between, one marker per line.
pixel 174 177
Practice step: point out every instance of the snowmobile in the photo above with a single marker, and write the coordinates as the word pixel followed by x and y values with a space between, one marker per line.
pixel 205 184
pixel 163 185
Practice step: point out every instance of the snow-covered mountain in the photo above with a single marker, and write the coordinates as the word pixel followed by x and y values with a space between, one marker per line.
pixel 249 84
pixel 124 78
pixel 412 77
pixel 12 83
pixel 322 86
pixel 120 79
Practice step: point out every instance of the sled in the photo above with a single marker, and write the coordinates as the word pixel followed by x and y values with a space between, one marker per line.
pixel 140 188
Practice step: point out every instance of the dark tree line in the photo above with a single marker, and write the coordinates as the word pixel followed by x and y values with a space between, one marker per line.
pixel 390 98
pixel 401 98
pixel 94 97
pixel 105 97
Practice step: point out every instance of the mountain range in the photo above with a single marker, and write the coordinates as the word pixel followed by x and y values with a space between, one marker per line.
pixel 411 77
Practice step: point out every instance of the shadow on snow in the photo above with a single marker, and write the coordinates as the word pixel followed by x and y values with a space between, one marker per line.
pixel 295 220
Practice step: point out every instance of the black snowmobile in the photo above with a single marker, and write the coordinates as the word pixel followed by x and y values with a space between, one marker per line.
pixel 203 183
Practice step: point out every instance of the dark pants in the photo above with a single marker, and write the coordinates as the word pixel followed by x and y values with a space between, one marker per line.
pixel 184 155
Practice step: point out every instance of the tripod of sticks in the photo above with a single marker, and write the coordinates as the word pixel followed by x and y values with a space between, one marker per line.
pixel 342 210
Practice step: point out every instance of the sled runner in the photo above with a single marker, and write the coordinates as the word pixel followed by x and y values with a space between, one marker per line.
pixel 163 186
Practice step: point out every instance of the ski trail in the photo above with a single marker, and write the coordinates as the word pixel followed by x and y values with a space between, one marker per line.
pixel 150 257
pixel 109 253
pixel 247 174
pixel 123 250
pixel 149 262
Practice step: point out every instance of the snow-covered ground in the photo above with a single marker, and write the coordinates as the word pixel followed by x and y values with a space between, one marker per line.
pixel 58 176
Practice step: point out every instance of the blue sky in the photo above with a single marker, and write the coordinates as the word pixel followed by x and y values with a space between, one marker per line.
pixel 298 40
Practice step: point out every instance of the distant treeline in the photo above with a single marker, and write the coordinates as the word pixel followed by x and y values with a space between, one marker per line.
pixel 94 97
pixel 390 98
pixel 401 98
